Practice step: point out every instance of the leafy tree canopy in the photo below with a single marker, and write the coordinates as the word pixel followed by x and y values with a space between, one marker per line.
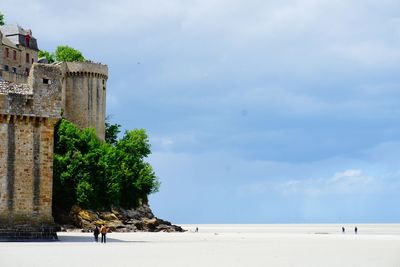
pixel 68 54
pixel 98 175
pixel 1 19
pixel 112 131
pixel 49 56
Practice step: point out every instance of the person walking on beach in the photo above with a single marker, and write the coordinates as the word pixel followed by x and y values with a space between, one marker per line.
pixel 343 229
pixel 103 231
pixel 96 233
pixel 355 230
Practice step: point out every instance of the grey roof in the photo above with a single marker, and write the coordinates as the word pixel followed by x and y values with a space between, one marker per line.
pixel 16 34
pixel 11 29
pixel 7 42
pixel 43 60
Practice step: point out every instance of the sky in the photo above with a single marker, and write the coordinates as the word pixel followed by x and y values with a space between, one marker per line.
pixel 257 111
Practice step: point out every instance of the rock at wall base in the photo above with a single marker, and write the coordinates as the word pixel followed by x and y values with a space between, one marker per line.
pixel 116 220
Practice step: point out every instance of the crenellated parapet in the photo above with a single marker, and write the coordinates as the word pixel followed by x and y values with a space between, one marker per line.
pixel 85 68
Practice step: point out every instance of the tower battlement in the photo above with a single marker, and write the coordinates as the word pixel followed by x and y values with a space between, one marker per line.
pixel 84 94
pixel 85 68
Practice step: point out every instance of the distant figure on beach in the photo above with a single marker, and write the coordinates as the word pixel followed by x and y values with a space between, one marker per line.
pixel 355 230
pixel 96 233
pixel 197 229
pixel 103 231
pixel 343 229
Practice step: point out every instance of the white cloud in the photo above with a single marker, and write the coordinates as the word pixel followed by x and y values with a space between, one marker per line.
pixel 254 98
pixel 347 182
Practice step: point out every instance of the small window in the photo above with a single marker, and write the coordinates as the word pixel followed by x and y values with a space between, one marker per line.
pixel 14 70
pixel 46 81
pixel 7 52
pixel 14 55
pixel 27 58
pixel 6 68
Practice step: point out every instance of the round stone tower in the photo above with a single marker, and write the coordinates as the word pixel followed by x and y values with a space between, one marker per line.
pixel 84 94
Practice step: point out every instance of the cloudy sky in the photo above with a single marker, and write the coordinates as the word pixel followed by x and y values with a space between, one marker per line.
pixel 257 111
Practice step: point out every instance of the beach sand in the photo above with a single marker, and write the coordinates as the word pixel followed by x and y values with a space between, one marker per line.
pixel 218 245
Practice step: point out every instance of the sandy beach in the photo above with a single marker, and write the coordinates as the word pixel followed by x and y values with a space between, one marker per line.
pixel 219 245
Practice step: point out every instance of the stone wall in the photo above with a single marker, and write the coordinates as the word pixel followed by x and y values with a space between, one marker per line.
pixel 17 56
pixel 13 77
pixel 26 174
pixel 27 58
pixel 10 61
pixel 18 60
pixel 84 94
pixel 1 51
pixel 28 114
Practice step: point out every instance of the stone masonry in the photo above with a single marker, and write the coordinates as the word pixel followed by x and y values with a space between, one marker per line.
pixel 28 113
pixel 83 83
pixel 84 94
pixel 30 106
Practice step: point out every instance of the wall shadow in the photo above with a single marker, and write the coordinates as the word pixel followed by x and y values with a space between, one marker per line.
pixel 90 239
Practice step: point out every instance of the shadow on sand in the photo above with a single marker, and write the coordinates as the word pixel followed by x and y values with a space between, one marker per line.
pixel 89 239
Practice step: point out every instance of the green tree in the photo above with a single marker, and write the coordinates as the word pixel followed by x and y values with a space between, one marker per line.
pixel 45 54
pixel 136 177
pixel 68 54
pixel 112 131
pixel 97 174
pixel 1 19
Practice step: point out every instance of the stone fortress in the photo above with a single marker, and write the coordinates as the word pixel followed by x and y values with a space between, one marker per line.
pixel 33 97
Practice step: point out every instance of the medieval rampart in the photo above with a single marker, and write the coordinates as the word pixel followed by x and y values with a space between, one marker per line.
pixel 84 94
pixel 28 113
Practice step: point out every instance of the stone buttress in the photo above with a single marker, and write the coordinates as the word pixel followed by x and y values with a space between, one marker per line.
pixel 28 113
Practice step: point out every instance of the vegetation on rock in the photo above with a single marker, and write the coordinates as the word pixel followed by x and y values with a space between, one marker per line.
pixel 100 175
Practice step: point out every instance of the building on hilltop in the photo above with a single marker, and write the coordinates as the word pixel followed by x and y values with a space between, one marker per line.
pixel 19 50
pixel 33 97
pixel 84 83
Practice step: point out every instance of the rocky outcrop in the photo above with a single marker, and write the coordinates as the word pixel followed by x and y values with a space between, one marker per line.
pixel 117 220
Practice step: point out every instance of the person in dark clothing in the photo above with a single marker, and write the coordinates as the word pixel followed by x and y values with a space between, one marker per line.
pixel 96 233
pixel 355 230
pixel 103 232
pixel 343 229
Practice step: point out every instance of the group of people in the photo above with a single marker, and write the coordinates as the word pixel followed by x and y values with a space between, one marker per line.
pixel 103 231
pixel 344 230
